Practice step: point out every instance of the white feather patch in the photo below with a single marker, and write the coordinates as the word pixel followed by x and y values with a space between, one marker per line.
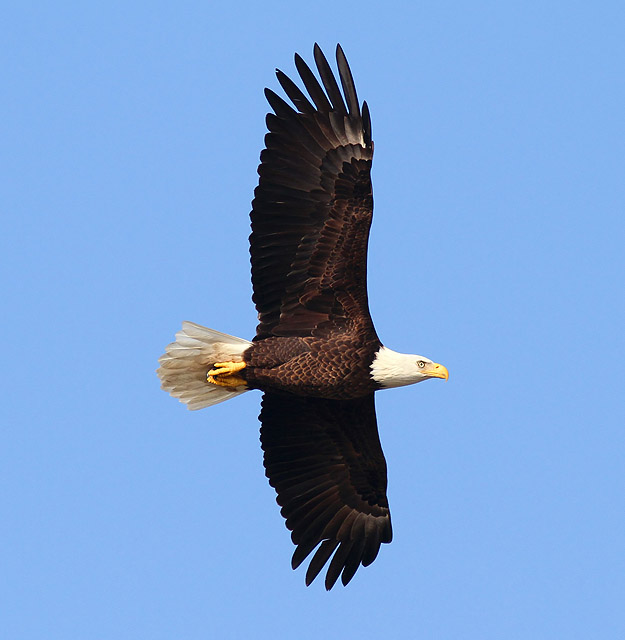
pixel 186 362
pixel 392 369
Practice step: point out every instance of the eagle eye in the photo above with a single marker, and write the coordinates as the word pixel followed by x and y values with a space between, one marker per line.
pixel 420 364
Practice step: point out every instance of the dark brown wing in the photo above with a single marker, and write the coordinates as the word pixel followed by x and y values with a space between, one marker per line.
pixel 324 459
pixel 312 208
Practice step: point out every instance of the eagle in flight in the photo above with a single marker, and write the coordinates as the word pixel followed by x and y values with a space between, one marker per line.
pixel 316 355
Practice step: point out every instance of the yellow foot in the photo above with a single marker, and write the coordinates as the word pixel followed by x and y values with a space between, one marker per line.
pixel 224 374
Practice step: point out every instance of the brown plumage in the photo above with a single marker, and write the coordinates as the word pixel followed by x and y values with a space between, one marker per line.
pixel 311 216
pixel 316 354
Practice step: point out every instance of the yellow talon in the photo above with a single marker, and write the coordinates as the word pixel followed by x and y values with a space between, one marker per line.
pixel 223 374
pixel 225 368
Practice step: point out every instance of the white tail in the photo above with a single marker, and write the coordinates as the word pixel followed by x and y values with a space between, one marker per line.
pixel 186 361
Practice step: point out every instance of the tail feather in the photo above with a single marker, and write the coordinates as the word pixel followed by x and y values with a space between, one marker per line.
pixel 186 362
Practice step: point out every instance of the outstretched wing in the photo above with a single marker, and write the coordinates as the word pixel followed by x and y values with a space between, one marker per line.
pixel 325 461
pixel 312 208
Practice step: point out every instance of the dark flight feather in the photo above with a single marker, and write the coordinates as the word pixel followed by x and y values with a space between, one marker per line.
pixel 312 85
pixel 347 82
pixel 329 81
pixel 295 94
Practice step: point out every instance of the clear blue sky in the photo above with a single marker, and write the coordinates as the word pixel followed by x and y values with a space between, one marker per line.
pixel 130 141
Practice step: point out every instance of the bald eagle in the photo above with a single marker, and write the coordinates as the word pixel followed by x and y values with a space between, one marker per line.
pixel 316 355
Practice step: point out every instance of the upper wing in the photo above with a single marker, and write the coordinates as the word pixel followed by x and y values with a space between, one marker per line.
pixel 324 459
pixel 312 208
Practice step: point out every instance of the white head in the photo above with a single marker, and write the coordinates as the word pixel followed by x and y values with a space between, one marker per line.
pixel 392 369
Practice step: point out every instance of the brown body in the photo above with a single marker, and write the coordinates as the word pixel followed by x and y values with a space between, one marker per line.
pixel 321 367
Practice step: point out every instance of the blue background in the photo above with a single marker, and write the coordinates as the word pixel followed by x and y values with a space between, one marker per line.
pixel 130 141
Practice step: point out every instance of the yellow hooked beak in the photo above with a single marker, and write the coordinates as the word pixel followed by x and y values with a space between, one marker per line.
pixel 436 370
